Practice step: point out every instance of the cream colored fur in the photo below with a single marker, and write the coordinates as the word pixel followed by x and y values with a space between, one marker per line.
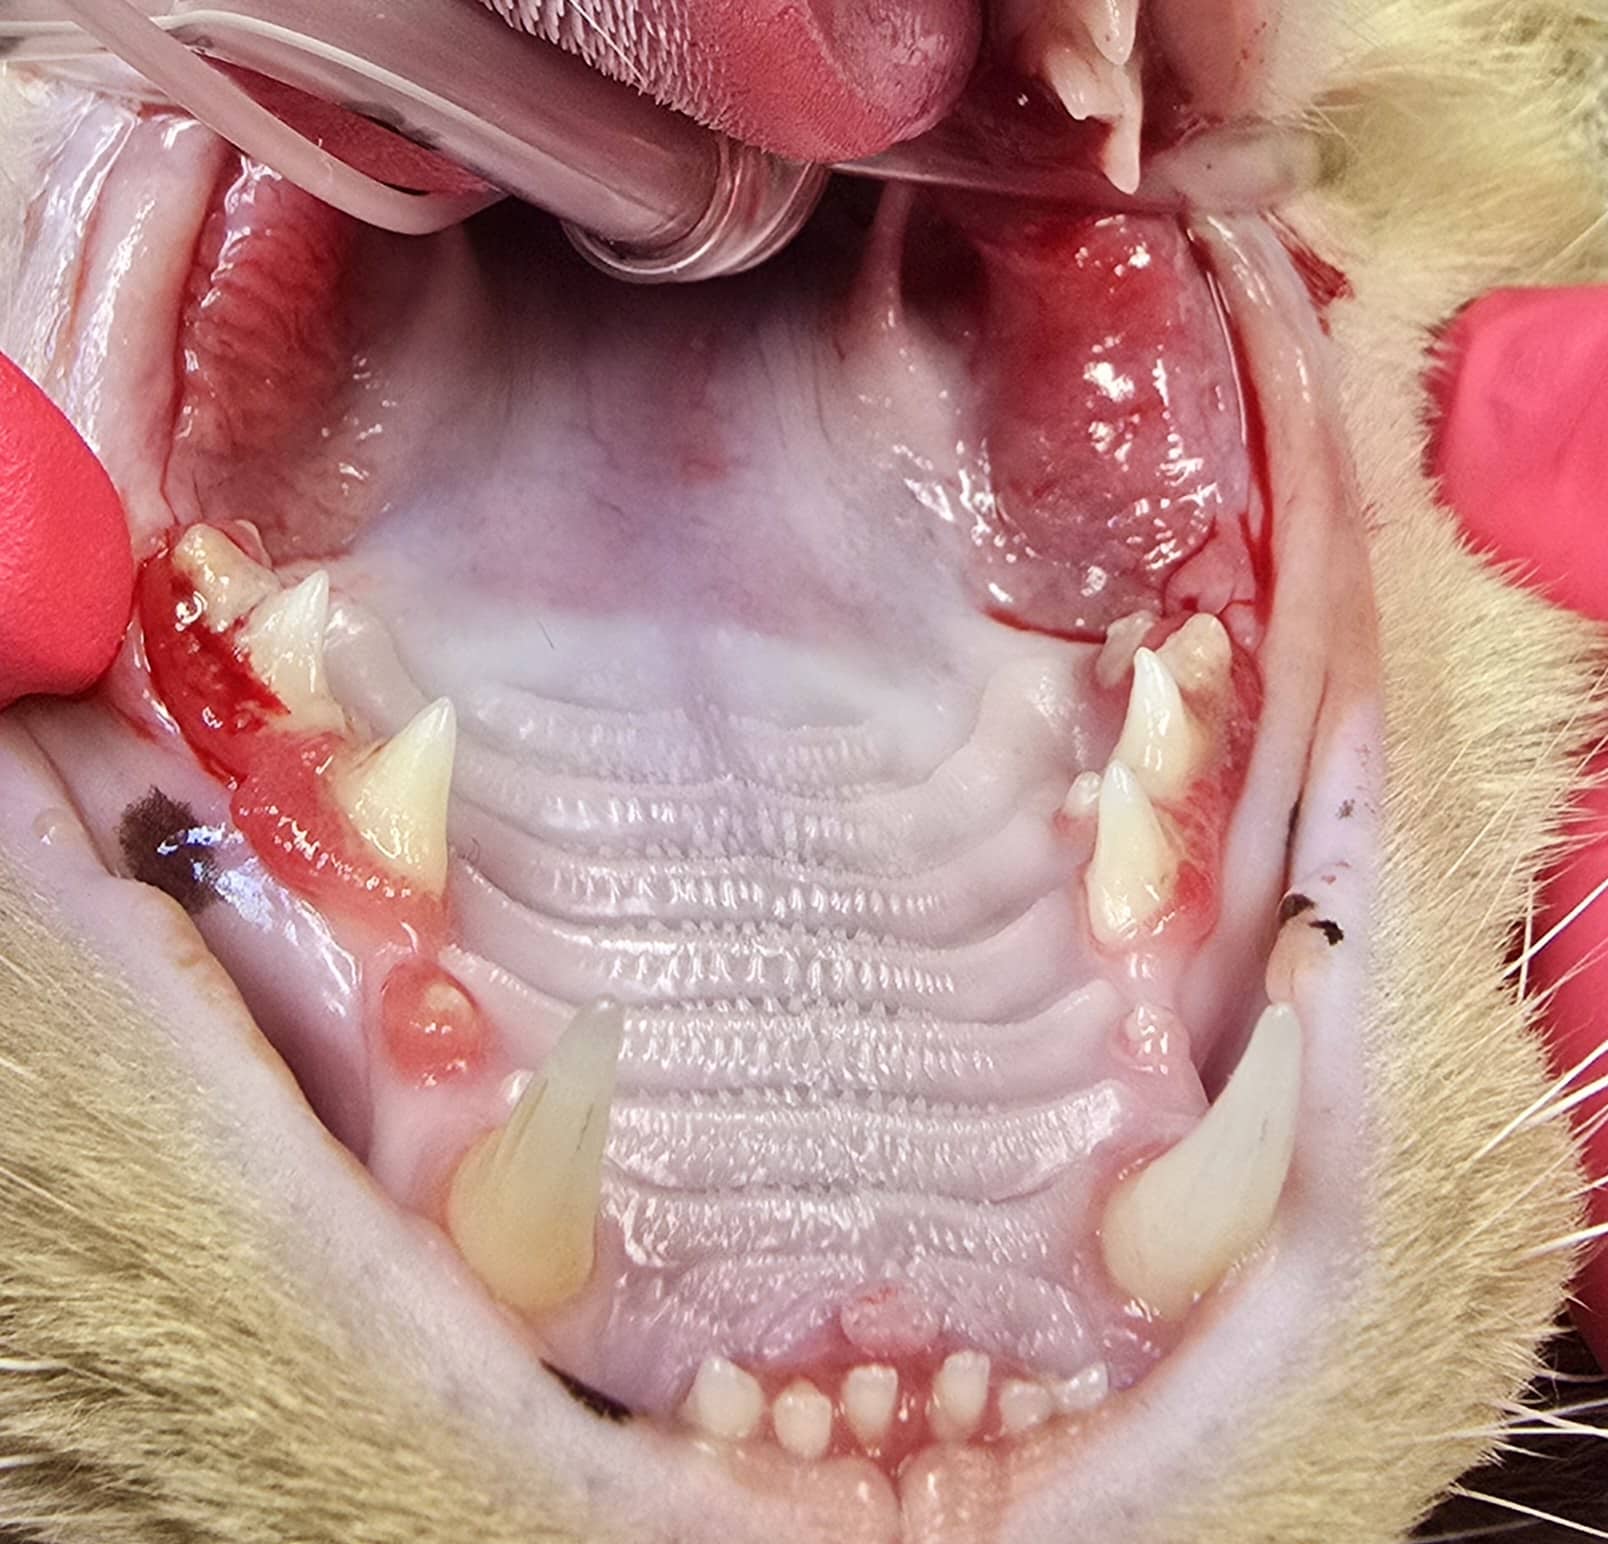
pixel 167 1378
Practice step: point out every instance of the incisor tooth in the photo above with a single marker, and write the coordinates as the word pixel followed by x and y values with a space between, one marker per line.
pixel 224 577
pixel 959 1396
pixel 1023 1405
pixel 397 796
pixel 1159 741
pixel 1083 1391
pixel 1129 878
pixel 1171 1230
pixel 284 639
pixel 869 1396
pixel 1199 654
pixel 802 1419
pixel 523 1204
pixel 725 1401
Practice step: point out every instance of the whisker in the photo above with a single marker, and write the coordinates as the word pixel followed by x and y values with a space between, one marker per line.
pixel 1568 1242
pixel 1529 1511
pixel 1571 917
pixel 1523 1118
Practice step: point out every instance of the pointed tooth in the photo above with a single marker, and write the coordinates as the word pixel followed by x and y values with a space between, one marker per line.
pixel 725 1401
pixel 523 1204
pixel 1023 1405
pixel 284 640
pixel 1083 1391
pixel 870 1394
pixel 1120 159
pixel 1084 87
pixel 1123 636
pixel 1112 25
pixel 1083 797
pixel 397 796
pixel 1199 654
pixel 959 1396
pixel 802 1419
pixel 1172 1230
pixel 1129 878
pixel 1159 741
pixel 229 582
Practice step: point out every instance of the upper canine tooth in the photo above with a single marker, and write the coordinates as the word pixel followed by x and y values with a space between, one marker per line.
pixel 959 1395
pixel 725 1401
pixel 524 1201
pixel 1113 25
pixel 397 796
pixel 284 639
pixel 1199 654
pixel 1158 741
pixel 1129 878
pixel 227 580
pixel 1171 1231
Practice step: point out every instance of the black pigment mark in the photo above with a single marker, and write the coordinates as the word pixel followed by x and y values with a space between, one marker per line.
pixel 1294 904
pixel 1348 808
pixel 1295 819
pixel 1330 930
pixel 166 846
pixel 584 1394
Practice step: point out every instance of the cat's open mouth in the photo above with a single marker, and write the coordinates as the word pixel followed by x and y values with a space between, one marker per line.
pixel 769 816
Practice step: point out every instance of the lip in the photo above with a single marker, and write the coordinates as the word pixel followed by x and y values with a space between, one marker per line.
pixel 1252 1337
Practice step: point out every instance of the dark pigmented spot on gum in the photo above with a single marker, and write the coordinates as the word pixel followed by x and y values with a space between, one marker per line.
pixel 1294 904
pixel 164 845
pixel 584 1394
pixel 1331 931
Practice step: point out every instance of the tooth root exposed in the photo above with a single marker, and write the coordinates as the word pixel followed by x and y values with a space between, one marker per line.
pixel 227 580
pixel 1023 1405
pixel 725 1401
pixel 523 1204
pixel 284 640
pixel 1159 741
pixel 1172 1230
pixel 1129 879
pixel 802 1419
pixel 397 796
pixel 1199 654
pixel 870 1394
pixel 959 1396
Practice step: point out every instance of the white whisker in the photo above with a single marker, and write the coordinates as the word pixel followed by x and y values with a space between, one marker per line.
pixel 1569 1241
pixel 1524 1117
pixel 1529 1511
pixel 1573 916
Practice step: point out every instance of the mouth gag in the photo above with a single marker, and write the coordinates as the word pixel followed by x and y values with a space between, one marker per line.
pixel 643 192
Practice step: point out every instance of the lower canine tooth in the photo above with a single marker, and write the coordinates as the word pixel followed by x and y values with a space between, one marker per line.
pixel 523 1205
pixel 1129 878
pixel 725 1401
pixel 397 796
pixel 869 1396
pixel 1159 740
pixel 284 640
pixel 1023 1405
pixel 1172 1230
pixel 802 1420
pixel 959 1396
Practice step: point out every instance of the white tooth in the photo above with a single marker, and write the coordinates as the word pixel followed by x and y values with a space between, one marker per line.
pixel 1086 89
pixel 523 1204
pixel 1119 160
pixel 1023 1405
pixel 1129 878
pixel 725 1401
pixel 1158 741
pixel 397 796
pixel 1116 654
pixel 959 1396
pixel 869 1396
pixel 802 1420
pixel 284 640
pixel 227 580
pixel 1199 654
pixel 1083 797
pixel 1172 1230
pixel 1112 25
pixel 1083 1391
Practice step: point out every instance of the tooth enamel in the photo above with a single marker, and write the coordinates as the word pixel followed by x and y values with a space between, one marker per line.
pixel 284 639
pixel 1158 741
pixel 1085 89
pixel 1172 1230
pixel 1122 637
pixel 523 1204
pixel 1199 654
pixel 959 1396
pixel 1129 878
pixel 1083 797
pixel 1083 1391
pixel 1112 26
pixel 802 1420
pixel 227 580
pixel 1023 1405
pixel 1120 158
pixel 869 1396
pixel 725 1401
pixel 397 796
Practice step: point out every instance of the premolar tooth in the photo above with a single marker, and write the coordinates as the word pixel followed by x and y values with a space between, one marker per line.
pixel 1023 1405
pixel 1199 654
pixel 227 580
pixel 284 639
pixel 802 1419
pixel 870 1394
pixel 725 1401
pixel 523 1204
pixel 397 796
pixel 1171 1230
pixel 1122 637
pixel 959 1396
pixel 1159 741
pixel 1129 878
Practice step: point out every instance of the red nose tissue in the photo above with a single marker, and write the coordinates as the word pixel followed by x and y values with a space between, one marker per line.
pixel 66 571
pixel 1521 452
